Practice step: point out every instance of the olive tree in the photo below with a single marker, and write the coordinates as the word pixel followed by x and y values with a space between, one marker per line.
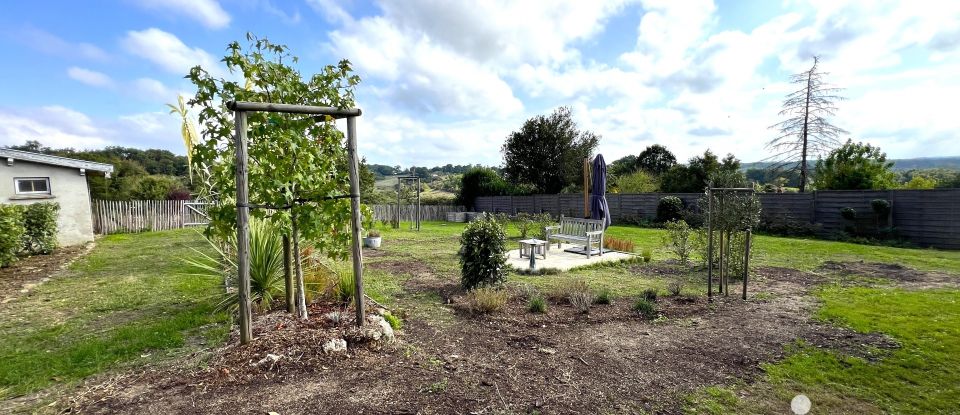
pixel 295 161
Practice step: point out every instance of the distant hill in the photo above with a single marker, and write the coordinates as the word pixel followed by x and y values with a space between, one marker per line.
pixel 898 164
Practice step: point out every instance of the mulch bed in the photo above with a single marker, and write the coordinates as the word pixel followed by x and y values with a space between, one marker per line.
pixel 561 362
pixel 895 273
pixel 31 271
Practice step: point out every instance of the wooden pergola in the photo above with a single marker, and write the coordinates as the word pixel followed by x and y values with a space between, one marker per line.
pixel 240 109
pixel 416 217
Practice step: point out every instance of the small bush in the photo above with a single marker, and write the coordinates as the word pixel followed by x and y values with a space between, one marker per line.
pixel 11 231
pixel 485 300
pixel 647 254
pixel 482 253
pixel 650 295
pixel 645 308
pixel 848 213
pixel 880 206
pixel 346 288
pixel 669 208
pixel 537 304
pixel 617 244
pixel 567 287
pixel 581 301
pixel 675 288
pixel 40 228
pixel 394 321
pixel 678 240
pixel 603 297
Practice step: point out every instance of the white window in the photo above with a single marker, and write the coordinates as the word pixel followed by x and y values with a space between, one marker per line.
pixel 32 185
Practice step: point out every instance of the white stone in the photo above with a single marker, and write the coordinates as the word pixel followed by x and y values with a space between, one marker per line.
pixel 335 346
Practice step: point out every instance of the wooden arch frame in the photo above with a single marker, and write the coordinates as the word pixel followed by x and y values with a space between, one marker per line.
pixel 240 110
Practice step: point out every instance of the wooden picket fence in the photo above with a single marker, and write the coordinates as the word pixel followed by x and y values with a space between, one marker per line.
pixel 388 213
pixel 129 216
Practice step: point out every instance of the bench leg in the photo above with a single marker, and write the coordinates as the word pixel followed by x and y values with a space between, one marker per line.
pixel 589 247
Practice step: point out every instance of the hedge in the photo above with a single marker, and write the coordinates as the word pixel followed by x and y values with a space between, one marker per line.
pixel 27 230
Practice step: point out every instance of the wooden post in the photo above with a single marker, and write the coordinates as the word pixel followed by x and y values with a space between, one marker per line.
pixel 399 185
pixel 746 261
pixel 418 204
pixel 710 243
pixel 355 217
pixel 243 228
pixel 288 276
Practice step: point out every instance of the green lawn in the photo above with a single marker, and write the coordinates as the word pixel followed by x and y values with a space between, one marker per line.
pixel 125 302
pixel 128 303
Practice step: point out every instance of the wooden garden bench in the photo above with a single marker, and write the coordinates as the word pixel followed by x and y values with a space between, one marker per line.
pixel 584 232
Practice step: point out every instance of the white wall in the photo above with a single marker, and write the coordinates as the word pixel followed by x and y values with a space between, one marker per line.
pixel 68 189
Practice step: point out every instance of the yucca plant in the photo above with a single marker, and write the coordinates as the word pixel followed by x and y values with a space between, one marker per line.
pixel 266 266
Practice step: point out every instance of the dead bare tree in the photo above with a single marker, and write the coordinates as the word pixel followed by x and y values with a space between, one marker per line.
pixel 806 132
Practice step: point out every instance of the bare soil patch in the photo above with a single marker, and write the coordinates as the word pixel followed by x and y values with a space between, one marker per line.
pixel 560 362
pixel 29 272
pixel 895 273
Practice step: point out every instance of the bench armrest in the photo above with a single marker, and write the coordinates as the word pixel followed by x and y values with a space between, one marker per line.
pixel 552 227
pixel 595 233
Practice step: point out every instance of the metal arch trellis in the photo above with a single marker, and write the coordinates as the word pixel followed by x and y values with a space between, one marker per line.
pixel 723 280
pixel 240 109
pixel 416 216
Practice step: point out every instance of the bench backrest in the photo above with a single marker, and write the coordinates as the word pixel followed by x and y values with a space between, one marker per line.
pixel 579 227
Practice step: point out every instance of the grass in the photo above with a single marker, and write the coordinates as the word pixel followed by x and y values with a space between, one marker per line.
pixel 920 377
pixel 125 302
pixel 128 299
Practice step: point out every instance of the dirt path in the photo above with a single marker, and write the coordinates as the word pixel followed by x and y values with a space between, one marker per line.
pixel 27 273
pixel 512 362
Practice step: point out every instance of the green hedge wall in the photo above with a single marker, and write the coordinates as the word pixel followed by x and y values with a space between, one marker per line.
pixel 11 230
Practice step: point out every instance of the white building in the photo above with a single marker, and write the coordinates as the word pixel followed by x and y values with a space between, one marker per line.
pixel 27 177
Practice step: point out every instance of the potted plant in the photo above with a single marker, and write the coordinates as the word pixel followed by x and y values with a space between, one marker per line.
pixel 372 238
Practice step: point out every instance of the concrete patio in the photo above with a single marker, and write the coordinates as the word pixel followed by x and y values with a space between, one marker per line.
pixel 559 260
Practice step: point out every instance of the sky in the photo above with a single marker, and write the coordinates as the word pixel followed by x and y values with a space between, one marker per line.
pixel 446 81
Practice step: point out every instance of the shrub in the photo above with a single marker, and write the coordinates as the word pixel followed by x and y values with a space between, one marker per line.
pixel 880 206
pixel 637 182
pixel 603 297
pixel 482 253
pixel 784 225
pixel 541 221
pixel 481 181
pixel 537 304
pixel 395 322
pixel 11 231
pixel 40 228
pixel 848 213
pixel 650 295
pixel 647 254
pixel 266 266
pixel 346 288
pixel 678 240
pixel 645 308
pixel 581 301
pixel 675 288
pixel 567 287
pixel 485 300
pixel 670 208
pixel 617 244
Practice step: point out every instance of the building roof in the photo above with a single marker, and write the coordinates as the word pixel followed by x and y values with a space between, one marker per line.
pixel 10 155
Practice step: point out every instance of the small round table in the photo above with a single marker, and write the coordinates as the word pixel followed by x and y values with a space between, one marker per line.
pixel 531 248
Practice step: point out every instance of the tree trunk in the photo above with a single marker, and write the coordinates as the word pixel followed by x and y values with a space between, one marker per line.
pixel 806 120
pixel 288 285
pixel 301 294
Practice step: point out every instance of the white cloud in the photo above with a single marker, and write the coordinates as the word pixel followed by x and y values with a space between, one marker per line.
pixel 49 43
pixel 331 11
pixel 168 52
pixel 207 12
pixel 153 89
pixel 58 126
pixel 92 78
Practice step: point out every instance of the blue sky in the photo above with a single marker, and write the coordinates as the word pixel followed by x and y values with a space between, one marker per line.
pixel 446 81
